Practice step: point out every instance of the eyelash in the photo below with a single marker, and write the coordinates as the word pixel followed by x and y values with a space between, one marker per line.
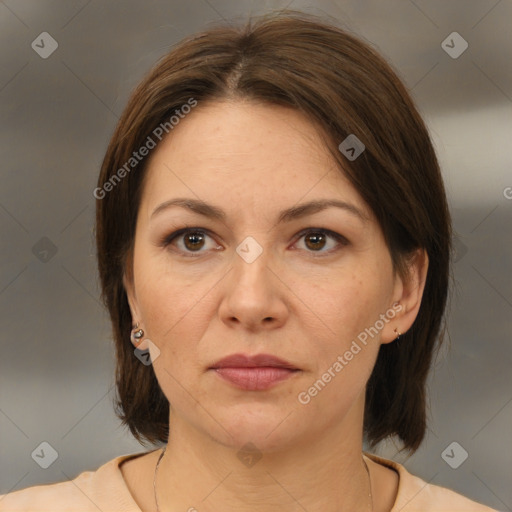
pixel 168 239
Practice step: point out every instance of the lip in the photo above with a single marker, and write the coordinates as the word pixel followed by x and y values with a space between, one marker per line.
pixel 254 373
pixel 258 360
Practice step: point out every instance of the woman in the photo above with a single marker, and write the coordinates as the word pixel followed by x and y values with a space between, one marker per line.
pixel 273 243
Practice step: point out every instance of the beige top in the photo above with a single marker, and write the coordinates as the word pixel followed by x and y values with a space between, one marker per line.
pixel 105 490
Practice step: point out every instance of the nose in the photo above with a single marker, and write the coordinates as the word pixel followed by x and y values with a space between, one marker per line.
pixel 254 295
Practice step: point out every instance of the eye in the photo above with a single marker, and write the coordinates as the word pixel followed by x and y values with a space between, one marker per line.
pixel 315 239
pixel 192 240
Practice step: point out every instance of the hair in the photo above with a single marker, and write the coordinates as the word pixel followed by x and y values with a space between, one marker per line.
pixel 343 86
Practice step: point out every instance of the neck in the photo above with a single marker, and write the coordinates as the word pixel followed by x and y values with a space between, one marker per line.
pixel 325 473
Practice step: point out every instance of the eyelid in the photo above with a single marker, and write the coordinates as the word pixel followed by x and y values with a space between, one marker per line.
pixel 340 239
pixel 333 234
pixel 168 239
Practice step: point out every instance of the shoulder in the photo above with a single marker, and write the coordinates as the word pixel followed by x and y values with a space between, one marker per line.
pixel 416 495
pixel 56 497
pixel 102 489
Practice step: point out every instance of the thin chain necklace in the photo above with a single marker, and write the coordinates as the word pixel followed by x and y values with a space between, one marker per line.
pixel 162 454
pixel 154 478
pixel 370 484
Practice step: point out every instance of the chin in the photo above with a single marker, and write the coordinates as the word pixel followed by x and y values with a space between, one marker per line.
pixel 266 431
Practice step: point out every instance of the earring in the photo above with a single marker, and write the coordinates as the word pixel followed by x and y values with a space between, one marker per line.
pixel 136 334
pixel 398 334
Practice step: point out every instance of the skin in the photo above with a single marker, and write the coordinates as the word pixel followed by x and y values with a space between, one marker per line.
pixel 301 299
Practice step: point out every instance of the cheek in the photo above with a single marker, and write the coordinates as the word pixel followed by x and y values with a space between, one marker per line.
pixel 344 303
pixel 343 363
pixel 171 313
pixel 173 307
pixel 349 304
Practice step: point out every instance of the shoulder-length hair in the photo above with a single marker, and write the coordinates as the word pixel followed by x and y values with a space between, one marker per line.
pixel 344 87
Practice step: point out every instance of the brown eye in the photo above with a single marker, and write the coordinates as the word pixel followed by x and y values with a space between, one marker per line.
pixel 194 240
pixel 315 240
pixel 189 241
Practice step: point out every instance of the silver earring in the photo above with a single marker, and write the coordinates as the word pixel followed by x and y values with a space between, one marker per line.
pixel 136 334
pixel 398 334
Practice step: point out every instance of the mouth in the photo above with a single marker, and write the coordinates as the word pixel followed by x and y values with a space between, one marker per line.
pixel 254 373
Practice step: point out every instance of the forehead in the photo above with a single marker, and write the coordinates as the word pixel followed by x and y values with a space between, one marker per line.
pixel 254 154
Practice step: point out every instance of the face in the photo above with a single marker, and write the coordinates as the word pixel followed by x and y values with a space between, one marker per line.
pixel 303 287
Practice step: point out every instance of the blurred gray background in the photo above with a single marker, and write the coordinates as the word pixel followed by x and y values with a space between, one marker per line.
pixel 58 113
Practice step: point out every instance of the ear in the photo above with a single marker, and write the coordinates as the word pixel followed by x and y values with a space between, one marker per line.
pixel 129 286
pixel 132 298
pixel 407 296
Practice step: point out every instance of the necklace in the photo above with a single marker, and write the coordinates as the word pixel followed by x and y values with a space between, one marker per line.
pixel 162 454
pixel 154 478
pixel 369 481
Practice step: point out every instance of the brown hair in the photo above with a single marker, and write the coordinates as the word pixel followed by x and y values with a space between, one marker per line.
pixel 343 86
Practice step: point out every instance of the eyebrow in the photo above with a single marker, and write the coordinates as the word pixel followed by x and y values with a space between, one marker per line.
pixel 295 212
